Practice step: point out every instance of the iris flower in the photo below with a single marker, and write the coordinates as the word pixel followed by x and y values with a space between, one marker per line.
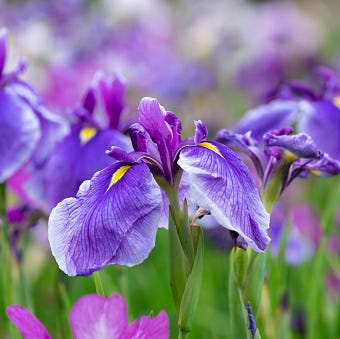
pixel 280 157
pixel 82 151
pixel 114 217
pixel 28 130
pixel 315 112
pixel 94 316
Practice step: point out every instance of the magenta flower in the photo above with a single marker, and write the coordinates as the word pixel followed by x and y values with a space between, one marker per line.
pixel 95 316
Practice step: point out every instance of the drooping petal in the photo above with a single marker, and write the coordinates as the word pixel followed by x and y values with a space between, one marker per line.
pixel 301 145
pixel 259 120
pixel 28 325
pixel 95 316
pixel 19 133
pixel 149 328
pixel 222 184
pixel 113 220
pixel 72 162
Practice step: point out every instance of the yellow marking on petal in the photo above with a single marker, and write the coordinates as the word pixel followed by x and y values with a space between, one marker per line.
pixel 316 172
pixel 86 134
pixel 289 156
pixel 118 175
pixel 211 147
pixel 336 101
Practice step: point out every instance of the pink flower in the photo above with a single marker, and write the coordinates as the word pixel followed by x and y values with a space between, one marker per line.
pixel 95 316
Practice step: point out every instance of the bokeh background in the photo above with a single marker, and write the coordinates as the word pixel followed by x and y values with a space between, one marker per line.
pixel 202 59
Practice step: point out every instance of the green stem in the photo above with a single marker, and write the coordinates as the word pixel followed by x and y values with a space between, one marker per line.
pixel 98 283
pixel 183 334
pixel 6 259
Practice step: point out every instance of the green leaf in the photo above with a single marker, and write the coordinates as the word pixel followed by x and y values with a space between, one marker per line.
pixel 193 286
pixel 178 264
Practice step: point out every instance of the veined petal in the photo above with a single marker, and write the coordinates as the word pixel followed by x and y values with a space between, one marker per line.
pixel 70 164
pixel 28 325
pixel 222 183
pixel 112 220
pixel 149 328
pixel 19 133
pixel 95 316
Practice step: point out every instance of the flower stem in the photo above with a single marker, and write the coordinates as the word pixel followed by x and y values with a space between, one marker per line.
pixel 183 334
pixel 98 283
pixel 6 260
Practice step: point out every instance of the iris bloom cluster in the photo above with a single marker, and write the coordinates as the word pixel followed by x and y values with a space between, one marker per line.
pixel 311 111
pixel 114 217
pixel 280 157
pixel 94 316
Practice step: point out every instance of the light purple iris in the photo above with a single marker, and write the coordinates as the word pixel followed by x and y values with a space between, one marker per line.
pixel 115 216
pixel 82 151
pixel 28 130
pixel 281 156
pixel 316 113
pixel 94 316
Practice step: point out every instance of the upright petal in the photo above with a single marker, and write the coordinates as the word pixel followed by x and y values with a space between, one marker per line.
pixel 222 183
pixel 112 220
pixel 28 325
pixel 19 133
pixel 95 316
pixel 149 328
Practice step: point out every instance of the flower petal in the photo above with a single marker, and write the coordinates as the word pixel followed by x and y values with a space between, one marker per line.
pixel 113 220
pixel 259 120
pixel 223 184
pixel 28 325
pixel 19 133
pixel 149 328
pixel 95 316
pixel 73 162
pixel 321 120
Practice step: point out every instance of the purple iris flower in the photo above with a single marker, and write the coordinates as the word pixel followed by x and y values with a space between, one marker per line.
pixel 115 215
pixel 315 112
pixel 82 151
pixel 280 157
pixel 94 316
pixel 27 129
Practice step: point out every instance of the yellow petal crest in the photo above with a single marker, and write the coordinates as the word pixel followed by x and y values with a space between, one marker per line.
pixel 211 147
pixel 86 134
pixel 118 175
